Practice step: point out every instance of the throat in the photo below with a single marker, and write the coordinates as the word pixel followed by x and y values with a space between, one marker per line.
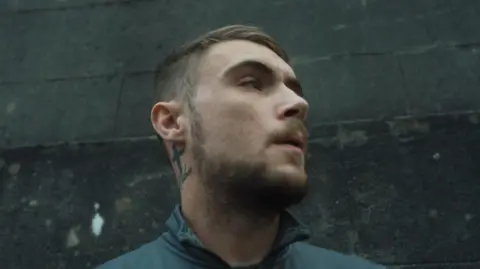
pixel 242 245
pixel 237 239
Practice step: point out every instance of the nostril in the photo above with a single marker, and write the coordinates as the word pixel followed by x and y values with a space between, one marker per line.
pixel 293 112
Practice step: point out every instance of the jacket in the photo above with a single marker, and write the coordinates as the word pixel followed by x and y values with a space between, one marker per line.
pixel 179 248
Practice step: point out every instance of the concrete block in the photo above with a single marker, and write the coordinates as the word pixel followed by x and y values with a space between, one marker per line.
pixel 415 191
pixel 50 202
pixel 443 80
pixel 385 10
pixel 455 27
pixel 326 209
pixel 36 113
pixel 84 42
pixel 359 87
pixel 385 27
pixel 394 36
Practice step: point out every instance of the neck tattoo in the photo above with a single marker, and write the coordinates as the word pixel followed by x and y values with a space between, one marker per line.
pixel 183 170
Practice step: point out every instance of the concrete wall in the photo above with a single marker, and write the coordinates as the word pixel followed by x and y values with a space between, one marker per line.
pixel 81 70
pixel 404 193
pixel 400 188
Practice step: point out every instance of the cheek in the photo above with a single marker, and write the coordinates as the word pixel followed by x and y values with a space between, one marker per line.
pixel 234 127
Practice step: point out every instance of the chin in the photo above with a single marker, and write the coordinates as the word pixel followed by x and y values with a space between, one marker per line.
pixel 291 175
pixel 286 187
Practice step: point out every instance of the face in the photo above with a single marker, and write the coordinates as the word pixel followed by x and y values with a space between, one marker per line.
pixel 248 136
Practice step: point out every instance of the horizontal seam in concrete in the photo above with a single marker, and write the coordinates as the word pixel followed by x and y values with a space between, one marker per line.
pixel 48 80
pixel 414 50
pixel 421 49
pixel 154 137
pixel 434 264
pixel 74 7
pixel 403 117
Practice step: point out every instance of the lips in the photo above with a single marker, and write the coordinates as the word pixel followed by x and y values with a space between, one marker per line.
pixel 296 141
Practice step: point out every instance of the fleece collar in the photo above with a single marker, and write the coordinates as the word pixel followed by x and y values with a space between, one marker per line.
pixel 291 231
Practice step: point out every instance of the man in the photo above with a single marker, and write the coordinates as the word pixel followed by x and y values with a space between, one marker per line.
pixel 231 114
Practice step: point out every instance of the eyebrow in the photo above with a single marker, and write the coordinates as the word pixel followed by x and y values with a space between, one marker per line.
pixel 248 64
pixel 291 82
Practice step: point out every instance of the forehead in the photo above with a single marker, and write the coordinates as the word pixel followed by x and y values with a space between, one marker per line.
pixel 222 56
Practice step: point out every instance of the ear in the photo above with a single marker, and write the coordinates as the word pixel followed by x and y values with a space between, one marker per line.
pixel 168 121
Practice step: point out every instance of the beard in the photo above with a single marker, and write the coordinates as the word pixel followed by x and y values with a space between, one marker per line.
pixel 246 186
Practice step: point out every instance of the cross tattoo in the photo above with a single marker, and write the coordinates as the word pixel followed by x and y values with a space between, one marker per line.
pixel 177 153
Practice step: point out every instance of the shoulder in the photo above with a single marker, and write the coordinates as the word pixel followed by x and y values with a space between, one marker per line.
pixel 147 256
pixel 330 259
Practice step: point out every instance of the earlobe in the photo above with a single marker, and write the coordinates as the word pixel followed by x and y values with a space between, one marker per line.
pixel 166 120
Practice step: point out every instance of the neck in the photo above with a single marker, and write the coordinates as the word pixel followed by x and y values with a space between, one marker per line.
pixel 238 238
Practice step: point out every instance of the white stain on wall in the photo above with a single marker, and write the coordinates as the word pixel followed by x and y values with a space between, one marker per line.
pixel 97 222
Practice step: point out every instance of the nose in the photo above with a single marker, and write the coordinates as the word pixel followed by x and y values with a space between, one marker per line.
pixel 297 108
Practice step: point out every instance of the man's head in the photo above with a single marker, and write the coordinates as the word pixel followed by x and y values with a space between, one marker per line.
pixel 231 114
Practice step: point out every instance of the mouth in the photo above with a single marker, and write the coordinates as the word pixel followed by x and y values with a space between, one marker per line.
pixel 297 142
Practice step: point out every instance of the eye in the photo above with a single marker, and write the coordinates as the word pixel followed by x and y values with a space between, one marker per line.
pixel 251 82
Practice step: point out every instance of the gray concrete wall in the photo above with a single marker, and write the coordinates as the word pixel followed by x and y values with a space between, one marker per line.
pixel 404 193
pixel 400 188
pixel 81 70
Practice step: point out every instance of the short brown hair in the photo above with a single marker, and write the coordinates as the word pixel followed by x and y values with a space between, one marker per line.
pixel 175 77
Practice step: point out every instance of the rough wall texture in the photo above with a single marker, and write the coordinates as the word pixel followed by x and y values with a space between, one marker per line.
pixel 400 188
pixel 402 192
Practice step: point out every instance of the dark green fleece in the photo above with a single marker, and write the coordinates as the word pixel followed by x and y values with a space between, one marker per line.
pixel 179 248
